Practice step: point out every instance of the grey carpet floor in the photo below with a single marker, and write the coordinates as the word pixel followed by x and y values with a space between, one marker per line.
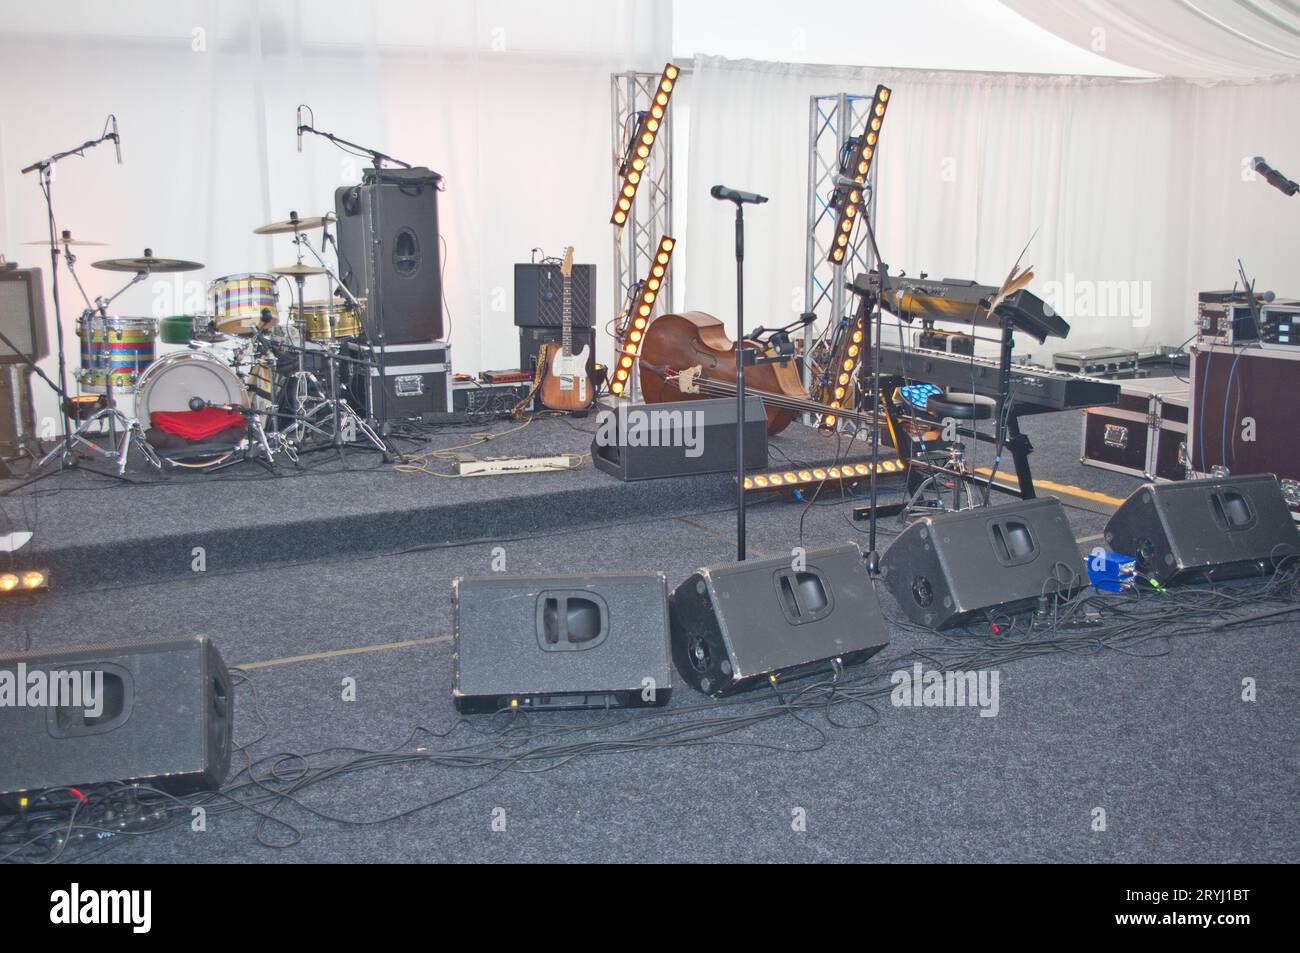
pixel 1184 769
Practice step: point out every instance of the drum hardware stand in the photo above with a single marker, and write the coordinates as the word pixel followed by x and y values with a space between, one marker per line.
pixel 45 169
pixel 115 419
pixel 342 410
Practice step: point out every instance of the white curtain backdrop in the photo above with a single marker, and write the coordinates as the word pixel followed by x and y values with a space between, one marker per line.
pixel 509 100
pixel 1138 193
pixel 1214 39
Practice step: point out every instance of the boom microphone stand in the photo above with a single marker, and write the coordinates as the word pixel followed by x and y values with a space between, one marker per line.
pixel 744 355
pixel 45 168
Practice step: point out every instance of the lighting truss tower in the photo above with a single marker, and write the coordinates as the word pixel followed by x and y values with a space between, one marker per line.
pixel 833 122
pixel 650 218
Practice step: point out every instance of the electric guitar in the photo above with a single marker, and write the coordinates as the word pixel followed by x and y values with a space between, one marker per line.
pixel 565 384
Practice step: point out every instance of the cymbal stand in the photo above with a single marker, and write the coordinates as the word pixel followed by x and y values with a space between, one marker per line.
pixel 110 413
pixel 341 408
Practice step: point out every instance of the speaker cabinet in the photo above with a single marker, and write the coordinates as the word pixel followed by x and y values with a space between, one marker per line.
pixel 647 441
pixel 163 717
pixel 389 253
pixel 539 296
pixel 560 642
pixel 1205 530
pixel 956 568
pixel 735 625
pixel 22 315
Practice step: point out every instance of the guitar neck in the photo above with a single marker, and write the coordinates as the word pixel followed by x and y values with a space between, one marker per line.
pixel 566 319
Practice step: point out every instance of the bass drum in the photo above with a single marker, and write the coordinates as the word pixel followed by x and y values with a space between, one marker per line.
pixel 170 382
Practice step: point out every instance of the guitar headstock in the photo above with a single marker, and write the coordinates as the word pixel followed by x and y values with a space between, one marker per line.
pixel 566 269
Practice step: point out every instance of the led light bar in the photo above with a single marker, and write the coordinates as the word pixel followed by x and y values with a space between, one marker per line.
pixel 805 476
pixel 27 580
pixel 628 337
pixel 850 200
pixel 847 355
pixel 637 154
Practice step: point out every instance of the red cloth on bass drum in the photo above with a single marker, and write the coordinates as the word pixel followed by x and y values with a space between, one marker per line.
pixel 196 424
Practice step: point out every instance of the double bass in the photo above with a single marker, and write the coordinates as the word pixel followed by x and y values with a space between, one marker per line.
pixel 691 357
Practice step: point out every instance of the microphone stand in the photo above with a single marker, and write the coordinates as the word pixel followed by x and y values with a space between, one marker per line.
pixel 873 341
pixel 744 355
pixel 45 168
pixel 379 158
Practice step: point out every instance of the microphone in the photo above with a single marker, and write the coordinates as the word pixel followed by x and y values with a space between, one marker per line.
pixel 198 403
pixel 845 181
pixel 117 140
pixel 1274 177
pixel 300 129
pixel 725 194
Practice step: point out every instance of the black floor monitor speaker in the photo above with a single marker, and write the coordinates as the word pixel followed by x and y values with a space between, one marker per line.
pixel 647 441
pixel 956 568
pixel 539 295
pixel 163 717
pixel 1205 530
pixel 389 253
pixel 560 642
pixel 737 625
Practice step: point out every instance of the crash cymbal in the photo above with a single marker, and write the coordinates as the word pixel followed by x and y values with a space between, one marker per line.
pixel 294 271
pixel 146 262
pixel 294 224
pixel 66 239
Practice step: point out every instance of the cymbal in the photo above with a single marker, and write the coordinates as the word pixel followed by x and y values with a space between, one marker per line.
pixel 146 262
pixel 295 270
pixel 294 225
pixel 66 239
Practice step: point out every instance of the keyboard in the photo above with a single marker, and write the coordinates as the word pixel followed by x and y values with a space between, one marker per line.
pixel 1034 390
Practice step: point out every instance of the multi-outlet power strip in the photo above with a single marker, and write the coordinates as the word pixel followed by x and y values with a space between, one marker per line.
pixel 496 465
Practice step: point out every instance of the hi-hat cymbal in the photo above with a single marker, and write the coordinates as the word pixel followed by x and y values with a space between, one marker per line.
pixel 294 224
pixel 294 270
pixel 146 262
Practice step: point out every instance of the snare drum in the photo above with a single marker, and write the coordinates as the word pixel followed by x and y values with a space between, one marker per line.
pixel 316 315
pixel 128 350
pixel 171 381
pixel 238 301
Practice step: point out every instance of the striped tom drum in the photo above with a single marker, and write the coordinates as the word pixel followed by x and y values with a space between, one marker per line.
pixel 124 346
pixel 238 301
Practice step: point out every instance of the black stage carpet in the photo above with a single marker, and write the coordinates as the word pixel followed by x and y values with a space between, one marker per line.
pixel 1156 735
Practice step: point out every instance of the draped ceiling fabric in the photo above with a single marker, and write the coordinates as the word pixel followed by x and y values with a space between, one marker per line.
pixel 508 99
pixel 1137 194
pixel 1195 39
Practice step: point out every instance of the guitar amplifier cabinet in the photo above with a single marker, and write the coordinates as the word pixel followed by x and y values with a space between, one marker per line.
pixel 532 339
pixel 1142 434
pixel 417 380
pixel 538 294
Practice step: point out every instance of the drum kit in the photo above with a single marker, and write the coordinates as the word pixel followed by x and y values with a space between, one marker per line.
pixel 284 378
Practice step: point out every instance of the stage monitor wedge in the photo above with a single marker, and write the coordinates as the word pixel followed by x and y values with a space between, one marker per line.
pixel 527 643
pixel 159 713
pixel 1206 530
pixel 953 569
pixel 736 626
